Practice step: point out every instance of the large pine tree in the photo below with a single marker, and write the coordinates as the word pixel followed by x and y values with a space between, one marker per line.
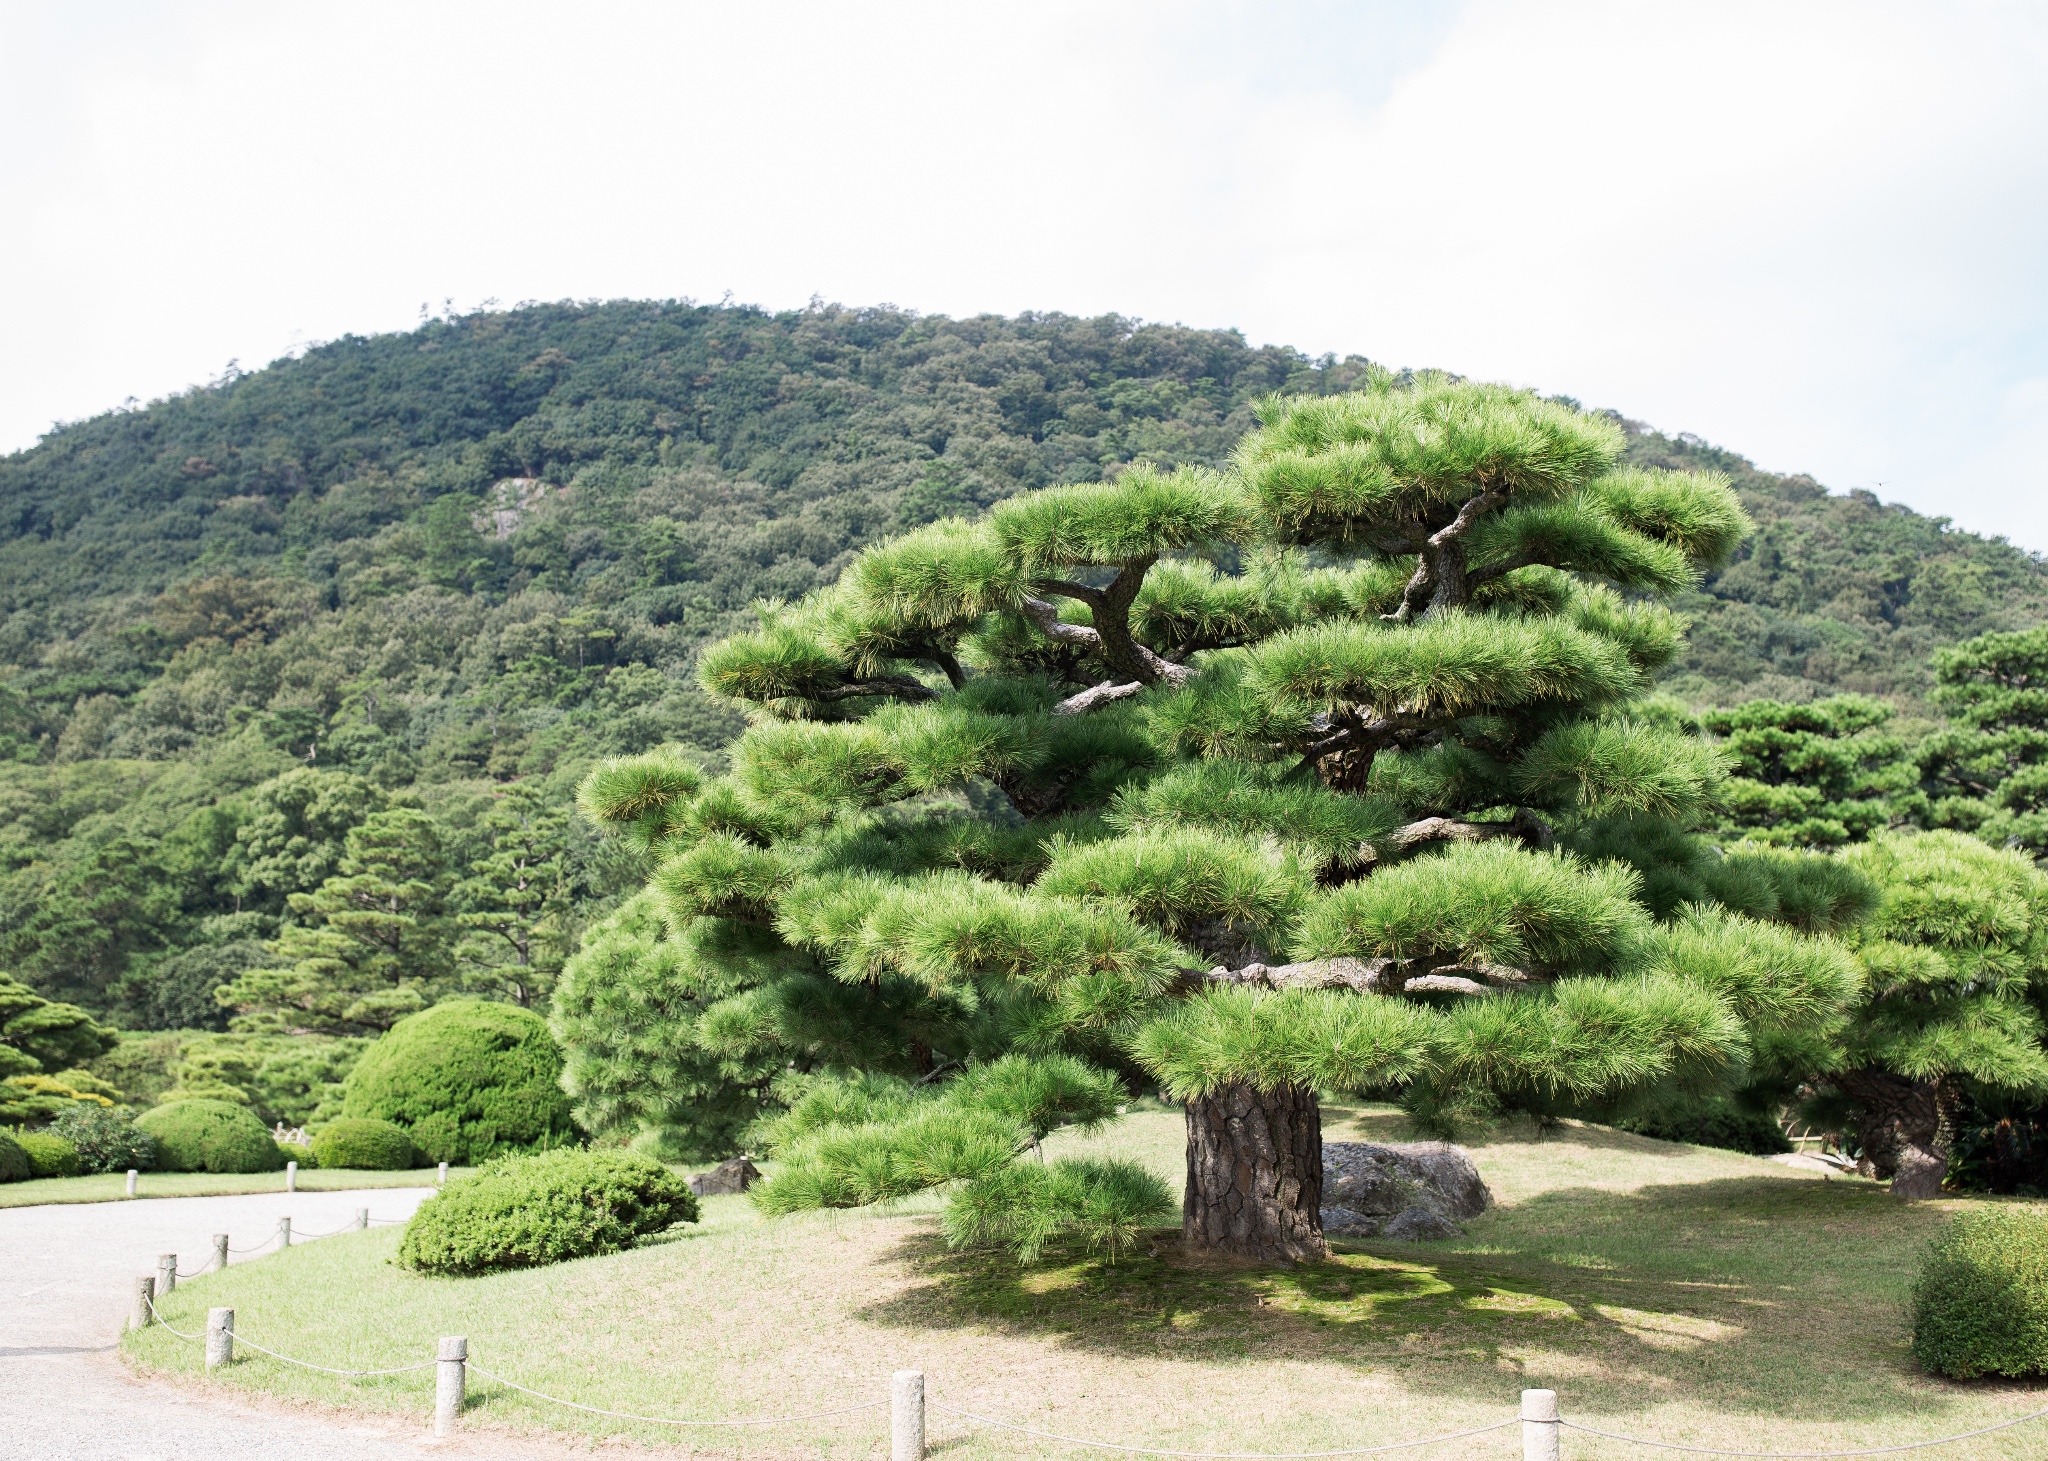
pixel 1235 786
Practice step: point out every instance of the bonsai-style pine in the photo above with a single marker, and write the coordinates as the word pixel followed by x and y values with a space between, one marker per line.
pixel 1955 954
pixel 1817 775
pixel 1237 787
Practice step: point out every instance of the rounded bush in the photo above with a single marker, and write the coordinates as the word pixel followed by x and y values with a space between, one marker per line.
pixel 14 1162
pixel 366 1145
pixel 467 1081
pixel 49 1155
pixel 105 1140
pixel 1980 1306
pixel 211 1136
pixel 525 1211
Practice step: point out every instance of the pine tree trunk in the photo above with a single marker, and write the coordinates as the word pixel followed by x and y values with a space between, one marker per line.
pixel 1898 1122
pixel 1255 1174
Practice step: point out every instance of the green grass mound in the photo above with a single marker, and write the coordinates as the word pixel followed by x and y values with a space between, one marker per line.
pixel 49 1155
pixel 1981 1304
pixel 364 1144
pixel 14 1163
pixel 467 1081
pixel 210 1136
pixel 526 1211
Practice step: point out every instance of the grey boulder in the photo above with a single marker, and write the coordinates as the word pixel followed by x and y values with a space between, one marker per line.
pixel 734 1175
pixel 1409 1191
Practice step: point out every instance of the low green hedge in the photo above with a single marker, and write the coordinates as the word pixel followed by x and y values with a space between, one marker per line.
pixel 526 1211
pixel 1980 1306
pixel 363 1144
pixel 211 1136
pixel 49 1155
pixel 14 1163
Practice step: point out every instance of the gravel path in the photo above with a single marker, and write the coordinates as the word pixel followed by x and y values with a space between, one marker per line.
pixel 67 1278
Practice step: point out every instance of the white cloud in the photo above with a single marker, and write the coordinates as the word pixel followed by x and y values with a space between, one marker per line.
pixel 1810 232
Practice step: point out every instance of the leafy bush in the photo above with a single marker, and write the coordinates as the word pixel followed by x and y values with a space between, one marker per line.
pixel 367 1145
pixel 48 1155
pixel 14 1163
pixel 466 1081
pixel 1980 1306
pixel 105 1140
pixel 525 1211
pixel 211 1136
pixel 1717 1124
pixel 291 1151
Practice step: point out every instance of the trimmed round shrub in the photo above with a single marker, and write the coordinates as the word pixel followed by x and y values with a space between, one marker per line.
pixel 14 1162
pixel 211 1136
pixel 364 1144
pixel 291 1151
pixel 525 1211
pixel 49 1155
pixel 1980 1306
pixel 105 1140
pixel 467 1081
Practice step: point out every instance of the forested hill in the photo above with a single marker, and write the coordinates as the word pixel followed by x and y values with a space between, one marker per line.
pixel 412 570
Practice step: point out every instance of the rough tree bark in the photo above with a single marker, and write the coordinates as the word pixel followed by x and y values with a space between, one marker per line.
pixel 1255 1174
pixel 1898 1122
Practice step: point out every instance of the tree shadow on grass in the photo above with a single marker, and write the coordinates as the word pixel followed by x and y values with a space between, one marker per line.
pixel 1757 1296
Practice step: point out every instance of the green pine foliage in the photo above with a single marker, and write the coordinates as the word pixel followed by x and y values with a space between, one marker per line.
pixel 210 1136
pixel 42 1037
pixel 1987 770
pixel 1816 775
pixel 529 1211
pixel 1073 784
pixel 466 1081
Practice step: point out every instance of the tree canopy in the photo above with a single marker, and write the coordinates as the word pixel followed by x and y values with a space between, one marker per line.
pixel 1237 785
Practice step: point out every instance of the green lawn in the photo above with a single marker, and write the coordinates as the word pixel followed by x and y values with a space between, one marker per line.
pixel 1690 1295
pixel 112 1186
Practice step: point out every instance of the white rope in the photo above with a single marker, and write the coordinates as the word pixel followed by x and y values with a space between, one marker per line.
pixel 329 1369
pixel 670 1420
pixel 1220 1455
pixel 258 1248
pixel 188 1338
pixel 346 1228
pixel 203 1268
pixel 1788 1455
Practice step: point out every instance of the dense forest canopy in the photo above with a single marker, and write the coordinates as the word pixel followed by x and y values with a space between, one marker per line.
pixel 285 641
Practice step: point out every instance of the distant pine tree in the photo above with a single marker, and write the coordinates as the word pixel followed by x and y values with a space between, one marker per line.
pixel 1987 772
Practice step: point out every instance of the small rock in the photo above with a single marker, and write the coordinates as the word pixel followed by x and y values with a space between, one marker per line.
pixel 734 1175
pixel 1411 1191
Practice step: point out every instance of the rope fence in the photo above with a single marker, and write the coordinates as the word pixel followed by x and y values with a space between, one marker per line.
pixel 1540 1418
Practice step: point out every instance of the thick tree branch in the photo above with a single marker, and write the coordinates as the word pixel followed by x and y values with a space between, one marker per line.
pixel 1524 825
pixel 1067 589
pixel 1096 695
pixel 949 665
pixel 1047 618
pixel 902 686
pixel 1439 578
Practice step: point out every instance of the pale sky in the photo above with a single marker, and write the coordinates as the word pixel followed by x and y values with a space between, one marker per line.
pixel 1816 233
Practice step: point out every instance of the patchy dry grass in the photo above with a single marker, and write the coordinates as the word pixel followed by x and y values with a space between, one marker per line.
pixel 112 1186
pixel 1692 1295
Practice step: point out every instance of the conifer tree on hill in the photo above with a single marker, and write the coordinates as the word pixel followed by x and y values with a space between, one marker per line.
pixel 1281 757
